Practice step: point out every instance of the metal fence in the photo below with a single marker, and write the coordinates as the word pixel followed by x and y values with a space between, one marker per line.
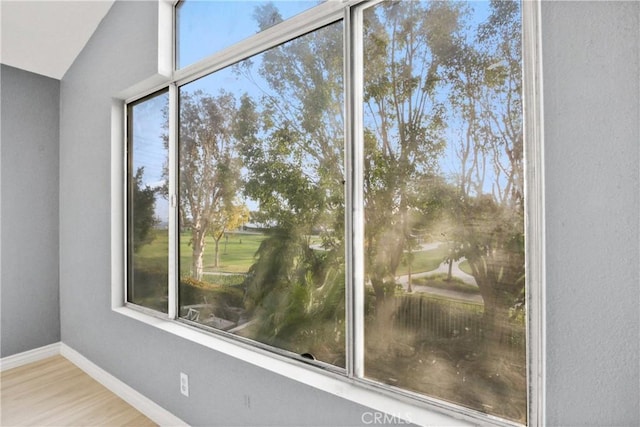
pixel 442 318
pixel 422 316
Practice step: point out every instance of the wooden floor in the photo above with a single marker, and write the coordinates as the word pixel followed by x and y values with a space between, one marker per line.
pixel 54 392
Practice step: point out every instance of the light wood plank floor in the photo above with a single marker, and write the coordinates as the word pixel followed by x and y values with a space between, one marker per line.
pixel 55 392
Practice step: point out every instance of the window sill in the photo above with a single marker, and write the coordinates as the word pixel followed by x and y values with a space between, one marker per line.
pixel 399 407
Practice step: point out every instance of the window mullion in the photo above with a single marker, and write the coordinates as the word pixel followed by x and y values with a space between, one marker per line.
pixel 354 196
pixel 534 220
pixel 173 203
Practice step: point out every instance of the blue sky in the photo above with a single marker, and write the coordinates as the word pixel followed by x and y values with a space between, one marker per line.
pixel 205 27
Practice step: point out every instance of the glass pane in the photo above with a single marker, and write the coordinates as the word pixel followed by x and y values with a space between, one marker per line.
pixel 444 208
pixel 205 27
pixel 148 211
pixel 262 199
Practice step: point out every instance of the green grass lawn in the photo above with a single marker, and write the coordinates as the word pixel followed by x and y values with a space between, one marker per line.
pixel 236 253
pixel 155 253
pixel 150 272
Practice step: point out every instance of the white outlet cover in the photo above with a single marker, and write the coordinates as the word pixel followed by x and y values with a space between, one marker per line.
pixel 184 384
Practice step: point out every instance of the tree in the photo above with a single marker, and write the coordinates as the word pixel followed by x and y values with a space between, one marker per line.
pixel 291 139
pixel 143 218
pixel 209 167
pixel 292 136
pixel 405 47
pixel 302 104
pixel 225 217
pixel 486 102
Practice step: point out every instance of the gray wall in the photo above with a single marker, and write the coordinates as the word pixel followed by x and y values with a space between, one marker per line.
pixel 29 190
pixel 591 118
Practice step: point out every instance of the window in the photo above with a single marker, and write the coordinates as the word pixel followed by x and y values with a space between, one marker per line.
pixel 443 202
pixel 346 189
pixel 147 210
pixel 261 198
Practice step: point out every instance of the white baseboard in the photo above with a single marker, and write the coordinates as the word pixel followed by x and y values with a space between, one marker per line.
pixel 30 356
pixel 148 407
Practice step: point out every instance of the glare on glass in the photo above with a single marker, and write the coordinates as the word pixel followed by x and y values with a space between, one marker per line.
pixel 444 208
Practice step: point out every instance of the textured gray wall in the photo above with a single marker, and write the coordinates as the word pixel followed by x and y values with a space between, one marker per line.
pixel 30 312
pixel 592 116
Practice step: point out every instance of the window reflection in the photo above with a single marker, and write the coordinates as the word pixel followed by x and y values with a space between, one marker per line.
pixel 148 219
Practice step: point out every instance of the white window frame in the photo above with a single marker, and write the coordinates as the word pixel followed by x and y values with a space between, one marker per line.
pixel 352 384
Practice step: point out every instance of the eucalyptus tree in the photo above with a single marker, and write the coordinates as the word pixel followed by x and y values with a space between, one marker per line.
pixel 290 128
pixel 406 45
pixel 209 172
pixel 486 104
pixel 296 167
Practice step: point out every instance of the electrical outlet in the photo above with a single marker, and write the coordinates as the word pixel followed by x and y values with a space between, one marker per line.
pixel 184 384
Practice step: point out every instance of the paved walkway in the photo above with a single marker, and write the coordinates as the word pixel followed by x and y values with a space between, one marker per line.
pixel 404 280
pixel 442 269
pixel 223 273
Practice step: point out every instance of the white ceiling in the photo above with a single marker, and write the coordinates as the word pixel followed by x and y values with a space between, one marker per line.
pixel 45 37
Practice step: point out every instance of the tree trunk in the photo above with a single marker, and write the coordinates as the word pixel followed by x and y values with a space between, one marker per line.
pixel 378 288
pixel 496 319
pixel 196 263
pixel 449 275
pixel 384 313
pixel 197 254
pixel 496 316
pixel 217 251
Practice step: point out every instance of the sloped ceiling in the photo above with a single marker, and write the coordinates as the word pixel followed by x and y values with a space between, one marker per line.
pixel 45 37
